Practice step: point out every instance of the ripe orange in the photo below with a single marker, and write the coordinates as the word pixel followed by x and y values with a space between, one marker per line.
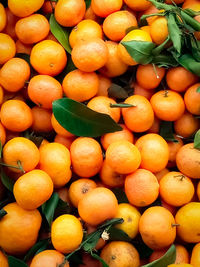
pixel 198 191
pixel 47 7
pixel 138 90
pixel 86 156
pixel 182 255
pixel 141 188
pixel 181 265
pixel 123 157
pixel 24 8
pixel 173 150
pixel 41 120
pixel 2 134
pixel 155 128
pixel 150 10
pixel 104 85
pixel 10 24
pixel 186 125
pixel 157 254
pixel 194 5
pixel 159 175
pixel 138 5
pixel 90 55
pixel 192 98
pixel 66 141
pixel 89 261
pixel 159 30
pixel 3 260
pixel 48 57
pixel 23 48
pixel 23 234
pixel 103 8
pixel 3 18
pixel 195 258
pixel 7 48
pixel 59 129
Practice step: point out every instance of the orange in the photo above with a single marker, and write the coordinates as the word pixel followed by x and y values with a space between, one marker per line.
pixel 149 77
pixel 116 24
pixel 80 86
pixel 29 185
pixel 197 34
pixel 141 188
pixel 187 160
pixel 109 177
pixel 155 128
pixel 47 7
pixel 98 205
pixel 19 151
pixel 86 156
pixel 192 98
pixel 3 260
pixel 134 35
pixel 102 104
pixel 198 191
pixel 3 17
pixel 89 261
pixel 24 8
pixel 179 79
pixel 103 8
pixel 176 189
pixel 10 24
pixel 159 30
pixel 154 152
pixel 14 74
pixel 59 129
pixel 145 28
pixel 157 254
pixel 23 234
pixel 195 257
pixel 150 10
pixel 2 134
pixel 48 258
pixel 138 90
pixel 32 29
pixel 182 255
pixel 173 150
pixel 89 14
pixel 48 57
pixel 104 85
pixel 140 117
pixel 68 13
pixel 194 5
pixel 114 65
pixel 188 218
pixel 63 193
pixel 138 5
pixel 168 105
pixel 124 134
pixel 180 265
pixel 23 48
pixel 159 175
pixel 120 253
pixel 79 188
pixel 157 222
pixel 16 115
pixel 55 161
pixel 7 48
pixel 43 90
pixel 41 120
pixel 123 157
pixel 66 233
pixel 174 1
pixel 90 55
pixel 84 30
pixel 66 141
pixel 131 217
pixel 186 125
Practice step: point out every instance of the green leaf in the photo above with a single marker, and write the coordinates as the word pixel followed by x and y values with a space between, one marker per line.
pixel 117 91
pixel 92 240
pixel 197 140
pixel 97 257
pixel 49 207
pixel 167 259
pixel 116 234
pixel 61 34
pixel 7 181
pixel 120 195
pixel 166 131
pixel 129 29
pixel 160 5
pixel 111 222
pixel 156 51
pixel 190 21
pixel 37 248
pixel 164 60
pixel 80 120
pixel 140 51
pixel 2 213
pixel 174 32
pixel 195 48
pixel 143 19
pixel 188 62
pixel 14 262
pixel 198 89
pixel 121 105
pixel 88 3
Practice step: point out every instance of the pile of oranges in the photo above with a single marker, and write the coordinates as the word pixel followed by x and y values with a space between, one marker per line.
pixel 157 178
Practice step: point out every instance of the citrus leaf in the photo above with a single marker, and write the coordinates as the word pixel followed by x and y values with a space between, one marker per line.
pixel 188 62
pixel 197 140
pixel 164 60
pixel 49 207
pixel 80 120
pixel 7 181
pixel 167 259
pixel 97 257
pixel 190 21
pixel 143 250
pixel 166 131
pixel 116 91
pixel 14 262
pixel 174 32
pixel 111 222
pixel 116 234
pixel 88 3
pixel 92 240
pixel 121 105
pixel 2 213
pixel 120 195
pixel 198 89
pixel 61 34
pixel 37 248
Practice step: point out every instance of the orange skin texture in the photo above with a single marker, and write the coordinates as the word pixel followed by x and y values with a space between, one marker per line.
pixel 102 104
pixel 138 90
pixel 104 84
pixel 23 234
pixel 25 8
pixel 80 86
pixel 168 105
pixel 14 74
pixel 3 260
pixel 79 188
pixel 198 191
pixel 41 120
pixel 173 150
pixel 103 8
pixel 2 134
pixel 148 78
pixel 150 10
pixel 47 7
pixel 119 253
pixel 179 79
pixel 50 258
pixel 159 30
pixel 68 13
pixel 63 193
pixel 32 29
pixel 98 205
pixel 16 115
pixel 157 254
pixel 123 157
pixel 21 149
pixel 55 161
pixel 2 95
pixel 109 177
pixel 48 57
pixel 141 188
pixel 10 24
pixel 116 24
pixel 66 141
pixel 59 129
pixel 197 34
pixel 86 156
pixel 138 5
pixel 176 189
pixel 27 189
pixel 192 98
pixel 182 255
pixel 66 227
pixel 155 128
pixel 187 160
pixel 43 90
pixel 195 258
pixel 90 55
pixel 7 48
pixel 194 5
pixel 163 219
pixel 154 152
pixel 3 17
pixel 161 173
pixel 140 117
pixel 23 48
pixel 186 125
